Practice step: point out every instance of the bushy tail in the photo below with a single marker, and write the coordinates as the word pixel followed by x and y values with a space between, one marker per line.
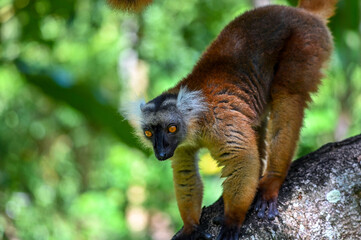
pixel 131 5
pixel 322 8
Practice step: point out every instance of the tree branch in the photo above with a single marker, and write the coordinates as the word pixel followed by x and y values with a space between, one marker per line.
pixel 320 199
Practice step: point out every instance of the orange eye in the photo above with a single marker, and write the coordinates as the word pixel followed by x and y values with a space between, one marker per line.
pixel 148 133
pixel 172 129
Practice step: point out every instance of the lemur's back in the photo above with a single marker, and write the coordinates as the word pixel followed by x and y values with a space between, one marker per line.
pixel 253 50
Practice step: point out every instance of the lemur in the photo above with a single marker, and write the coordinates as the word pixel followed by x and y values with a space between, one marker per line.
pixel 244 101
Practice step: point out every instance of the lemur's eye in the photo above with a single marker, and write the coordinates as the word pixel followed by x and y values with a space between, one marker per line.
pixel 172 129
pixel 148 133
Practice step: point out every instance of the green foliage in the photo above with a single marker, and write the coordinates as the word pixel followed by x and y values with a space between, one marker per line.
pixel 69 165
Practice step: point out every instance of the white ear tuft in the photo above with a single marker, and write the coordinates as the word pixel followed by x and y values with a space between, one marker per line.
pixel 190 103
pixel 132 111
pixel 142 105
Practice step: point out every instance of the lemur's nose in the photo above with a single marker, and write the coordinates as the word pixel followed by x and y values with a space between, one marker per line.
pixel 161 156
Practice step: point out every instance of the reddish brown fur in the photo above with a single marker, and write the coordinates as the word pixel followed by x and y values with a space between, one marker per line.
pixel 265 62
pixel 324 9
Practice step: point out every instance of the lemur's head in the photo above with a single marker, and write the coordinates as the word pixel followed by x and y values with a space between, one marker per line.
pixel 163 123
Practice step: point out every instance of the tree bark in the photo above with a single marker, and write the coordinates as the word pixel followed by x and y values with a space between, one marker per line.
pixel 320 199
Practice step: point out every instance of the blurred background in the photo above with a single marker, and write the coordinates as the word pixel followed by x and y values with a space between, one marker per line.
pixel 69 165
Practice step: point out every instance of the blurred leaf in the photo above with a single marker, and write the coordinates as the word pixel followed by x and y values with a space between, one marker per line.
pixel 58 85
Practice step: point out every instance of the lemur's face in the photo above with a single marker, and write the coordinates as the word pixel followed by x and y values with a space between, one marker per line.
pixel 165 121
pixel 163 125
pixel 165 138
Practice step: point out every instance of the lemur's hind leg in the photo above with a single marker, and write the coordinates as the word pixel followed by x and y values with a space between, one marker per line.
pixel 283 129
pixel 297 75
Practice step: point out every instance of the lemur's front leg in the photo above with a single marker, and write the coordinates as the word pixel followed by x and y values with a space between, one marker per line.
pixel 241 168
pixel 189 191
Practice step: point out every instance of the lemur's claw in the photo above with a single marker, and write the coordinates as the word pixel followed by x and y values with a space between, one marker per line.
pixel 262 205
pixel 201 235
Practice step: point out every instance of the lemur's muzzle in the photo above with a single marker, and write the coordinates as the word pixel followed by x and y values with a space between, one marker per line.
pixel 162 148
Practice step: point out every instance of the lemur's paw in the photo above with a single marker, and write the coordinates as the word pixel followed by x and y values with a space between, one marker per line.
pixel 227 232
pixel 219 220
pixel 197 234
pixel 270 205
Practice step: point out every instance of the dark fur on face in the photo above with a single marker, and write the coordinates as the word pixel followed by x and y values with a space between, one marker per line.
pixel 165 111
pixel 161 114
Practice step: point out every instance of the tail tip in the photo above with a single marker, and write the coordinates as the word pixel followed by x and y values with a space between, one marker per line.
pixel 323 8
pixel 129 5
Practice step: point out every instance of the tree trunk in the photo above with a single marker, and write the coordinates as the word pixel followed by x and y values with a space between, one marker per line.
pixel 320 199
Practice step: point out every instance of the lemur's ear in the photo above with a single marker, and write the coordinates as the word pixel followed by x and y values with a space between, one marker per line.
pixel 142 105
pixel 190 103
pixel 132 111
